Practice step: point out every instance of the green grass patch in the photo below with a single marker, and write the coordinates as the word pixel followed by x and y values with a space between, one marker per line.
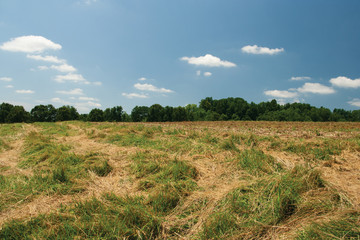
pixel 55 129
pixel 270 201
pixel 257 163
pixel 20 189
pixel 346 227
pixel 316 151
pixel 111 218
pixel 10 129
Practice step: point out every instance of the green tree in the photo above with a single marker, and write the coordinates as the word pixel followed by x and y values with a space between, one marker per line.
pixel 140 113
pixel 5 109
pixel 42 113
pixel 63 114
pixel 17 114
pixel 113 114
pixel 155 113
pixel 179 114
pixel 96 115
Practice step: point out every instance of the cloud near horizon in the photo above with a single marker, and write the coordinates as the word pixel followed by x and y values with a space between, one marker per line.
pixel 355 102
pixel 281 94
pixel 6 79
pixel 23 91
pixel 151 88
pixel 300 78
pixel 71 77
pixel 344 82
pixel 255 49
pixel 134 95
pixel 76 91
pixel 52 59
pixel 208 61
pixel 30 44
pixel 316 88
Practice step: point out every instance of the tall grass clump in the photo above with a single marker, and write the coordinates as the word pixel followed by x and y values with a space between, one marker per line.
pixel 168 181
pixel 346 226
pixel 252 210
pixel 112 217
pixel 257 163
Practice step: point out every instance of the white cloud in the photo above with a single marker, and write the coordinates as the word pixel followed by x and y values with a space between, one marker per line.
pixel 281 94
pixel 300 78
pixel 261 50
pixel 76 78
pixel 58 100
pixel 207 74
pixel 142 79
pixel 316 88
pixel 89 2
pixel 355 102
pixel 88 99
pixel 208 60
pixel 345 82
pixel 52 59
pixel 42 68
pixel 9 86
pixel 25 91
pixel 198 73
pixel 6 79
pixel 85 107
pixel 63 68
pixel 76 91
pixel 134 95
pixel 29 44
pixel 97 83
pixel 151 88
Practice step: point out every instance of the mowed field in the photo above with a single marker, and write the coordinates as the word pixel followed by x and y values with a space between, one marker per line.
pixel 192 180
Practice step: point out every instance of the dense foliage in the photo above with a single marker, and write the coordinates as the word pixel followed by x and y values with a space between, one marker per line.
pixel 208 110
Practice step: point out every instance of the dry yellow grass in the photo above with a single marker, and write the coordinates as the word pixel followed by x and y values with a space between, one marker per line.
pixel 212 148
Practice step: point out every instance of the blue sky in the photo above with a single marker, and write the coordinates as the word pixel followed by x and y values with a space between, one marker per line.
pixel 105 53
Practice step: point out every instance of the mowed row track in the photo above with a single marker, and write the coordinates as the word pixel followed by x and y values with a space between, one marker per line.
pixel 213 150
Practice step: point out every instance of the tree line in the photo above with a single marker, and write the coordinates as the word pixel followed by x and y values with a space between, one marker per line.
pixel 209 109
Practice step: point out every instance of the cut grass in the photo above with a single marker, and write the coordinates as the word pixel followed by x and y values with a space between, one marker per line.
pixel 346 227
pixel 167 180
pixel 110 218
pixel 252 210
pixel 170 199
pixel 257 163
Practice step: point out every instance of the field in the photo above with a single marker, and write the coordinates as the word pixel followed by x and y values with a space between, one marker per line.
pixel 199 180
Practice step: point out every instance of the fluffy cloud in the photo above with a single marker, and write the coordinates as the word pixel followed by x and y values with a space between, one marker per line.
pixel 6 79
pixel 345 82
pixel 151 88
pixel 9 86
pixel 42 68
pixel 142 79
pixel 281 94
pixel 316 88
pixel 30 44
pixel 208 60
pixel 198 73
pixel 76 78
pixel 76 91
pixel 300 78
pixel 97 83
pixel 134 95
pixel 59 100
pixel 355 102
pixel 63 68
pixel 261 50
pixel 52 59
pixel 25 91
pixel 207 74
pixel 88 99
